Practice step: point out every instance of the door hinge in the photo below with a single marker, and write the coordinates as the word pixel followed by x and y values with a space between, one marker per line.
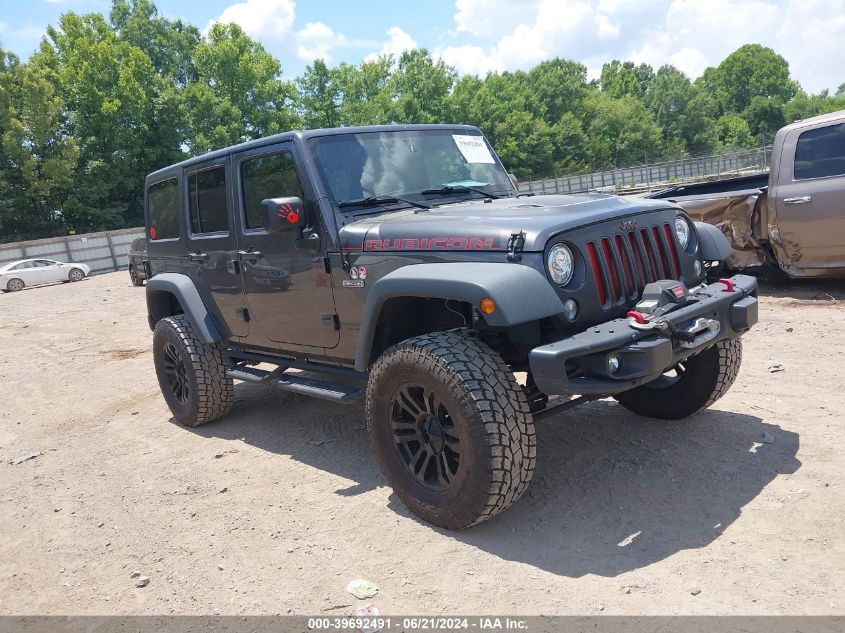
pixel 242 314
pixel 515 244
pixel 327 266
pixel 332 320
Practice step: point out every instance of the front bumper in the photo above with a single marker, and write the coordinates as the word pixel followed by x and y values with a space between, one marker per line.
pixel 578 365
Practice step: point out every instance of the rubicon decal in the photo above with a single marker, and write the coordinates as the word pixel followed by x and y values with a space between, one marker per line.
pixel 432 244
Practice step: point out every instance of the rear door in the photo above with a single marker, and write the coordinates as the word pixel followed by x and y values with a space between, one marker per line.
pixel 810 195
pixel 288 291
pixel 26 272
pixel 50 271
pixel 212 248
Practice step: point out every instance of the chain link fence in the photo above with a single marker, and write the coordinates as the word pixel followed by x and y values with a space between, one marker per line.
pixel 652 176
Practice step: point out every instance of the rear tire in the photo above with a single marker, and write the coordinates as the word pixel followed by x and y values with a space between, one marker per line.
pixel 133 275
pixel 705 378
pixel 15 285
pixel 191 374
pixel 451 428
pixel 76 274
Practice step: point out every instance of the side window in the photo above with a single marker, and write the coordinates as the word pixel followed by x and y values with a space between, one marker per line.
pixel 163 201
pixel 24 266
pixel 43 262
pixel 271 176
pixel 821 153
pixel 207 201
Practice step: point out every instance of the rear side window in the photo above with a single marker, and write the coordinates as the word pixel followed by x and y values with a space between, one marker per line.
pixel 821 153
pixel 163 202
pixel 272 176
pixel 207 193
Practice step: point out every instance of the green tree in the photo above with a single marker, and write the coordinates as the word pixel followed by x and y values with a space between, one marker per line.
pixel 419 87
pixel 621 79
pixel 239 93
pixel 365 92
pixel 621 132
pixel 764 117
pixel 39 157
pixel 560 86
pixel 318 96
pixel 169 44
pixel 683 112
pixel 733 132
pixel 750 71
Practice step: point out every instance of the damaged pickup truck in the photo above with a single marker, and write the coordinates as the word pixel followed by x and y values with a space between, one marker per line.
pixel 793 218
pixel 398 265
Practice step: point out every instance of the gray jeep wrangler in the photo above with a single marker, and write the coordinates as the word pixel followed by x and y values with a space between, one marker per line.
pixel 399 265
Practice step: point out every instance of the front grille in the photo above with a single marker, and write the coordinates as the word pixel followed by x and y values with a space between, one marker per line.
pixel 622 264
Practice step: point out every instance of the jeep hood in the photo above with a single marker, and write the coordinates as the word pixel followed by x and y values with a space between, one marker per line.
pixel 478 225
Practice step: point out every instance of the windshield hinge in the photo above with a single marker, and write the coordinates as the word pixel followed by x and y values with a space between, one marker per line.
pixel 515 244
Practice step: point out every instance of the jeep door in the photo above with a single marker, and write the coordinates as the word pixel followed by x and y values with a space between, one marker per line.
pixel 287 289
pixel 211 246
pixel 810 195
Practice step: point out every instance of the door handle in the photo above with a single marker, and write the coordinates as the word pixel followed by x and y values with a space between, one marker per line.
pixel 197 257
pixel 249 256
pixel 798 200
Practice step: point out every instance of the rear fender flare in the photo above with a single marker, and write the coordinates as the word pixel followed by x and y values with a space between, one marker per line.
pixel 159 290
pixel 521 293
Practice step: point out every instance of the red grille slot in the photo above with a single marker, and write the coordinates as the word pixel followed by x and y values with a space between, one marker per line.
pixel 611 268
pixel 594 263
pixel 635 249
pixel 671 243
pixel 652 259
pixel 666 272
pixel 626 265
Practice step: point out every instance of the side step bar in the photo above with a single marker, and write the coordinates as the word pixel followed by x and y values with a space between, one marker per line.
pixel 336 392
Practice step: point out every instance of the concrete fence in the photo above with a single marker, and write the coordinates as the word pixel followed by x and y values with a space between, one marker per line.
pixel 657 175
pixel 104 252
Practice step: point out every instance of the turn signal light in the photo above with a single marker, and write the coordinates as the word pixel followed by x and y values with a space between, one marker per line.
pixel 487 305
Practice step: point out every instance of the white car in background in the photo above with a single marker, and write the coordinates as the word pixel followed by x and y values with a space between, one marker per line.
pixel 18 275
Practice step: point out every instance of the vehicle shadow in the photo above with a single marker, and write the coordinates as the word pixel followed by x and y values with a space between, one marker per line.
pixel 612 492
pixel 775 283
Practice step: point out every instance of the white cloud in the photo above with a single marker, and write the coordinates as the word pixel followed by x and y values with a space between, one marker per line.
pixel 690 34
pixel 469 59
pixel 398 41
pixel 260 19
pixel 317 41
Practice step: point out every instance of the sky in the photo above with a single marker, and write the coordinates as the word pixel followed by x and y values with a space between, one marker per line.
pixel 477 36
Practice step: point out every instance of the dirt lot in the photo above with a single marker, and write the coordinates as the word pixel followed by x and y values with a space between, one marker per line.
pixel 276 508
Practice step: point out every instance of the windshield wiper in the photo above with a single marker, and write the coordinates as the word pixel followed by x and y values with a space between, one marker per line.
pixel 458 189
pixel 370 201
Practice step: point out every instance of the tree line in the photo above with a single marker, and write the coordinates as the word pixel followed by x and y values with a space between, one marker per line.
pixel 107 99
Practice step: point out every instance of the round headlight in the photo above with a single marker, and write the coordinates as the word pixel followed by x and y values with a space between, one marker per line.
pixel 561 264
pixel 682 231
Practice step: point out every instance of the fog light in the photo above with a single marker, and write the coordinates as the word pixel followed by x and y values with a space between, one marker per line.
pixel 570 309
pixel 487 305
pixel 697 267
pixel 612 364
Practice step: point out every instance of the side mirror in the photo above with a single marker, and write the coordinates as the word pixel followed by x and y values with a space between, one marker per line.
pixel 282 214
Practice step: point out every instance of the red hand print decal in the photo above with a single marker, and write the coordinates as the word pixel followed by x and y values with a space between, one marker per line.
pixel 289 213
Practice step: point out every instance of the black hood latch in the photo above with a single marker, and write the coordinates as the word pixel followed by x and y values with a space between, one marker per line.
pixel 516 242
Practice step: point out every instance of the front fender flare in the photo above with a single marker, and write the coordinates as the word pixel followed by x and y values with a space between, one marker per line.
pixel 521 293
pixel 715 247
pixel 180 286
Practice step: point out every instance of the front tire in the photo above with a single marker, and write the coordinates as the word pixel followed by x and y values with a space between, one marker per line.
pixel 76 274
pixel 191 374
pixel 697 383
pixel 451 428
pixel 15 285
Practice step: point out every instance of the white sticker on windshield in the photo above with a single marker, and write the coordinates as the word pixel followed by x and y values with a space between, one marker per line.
pixel 473 148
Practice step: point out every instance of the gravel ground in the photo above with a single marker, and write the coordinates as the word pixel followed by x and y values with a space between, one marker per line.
pixel 276 508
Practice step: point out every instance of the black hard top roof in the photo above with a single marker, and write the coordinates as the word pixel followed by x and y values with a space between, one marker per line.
pixel 303 135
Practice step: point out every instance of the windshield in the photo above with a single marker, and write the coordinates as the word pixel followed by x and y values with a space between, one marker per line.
pixel 415 164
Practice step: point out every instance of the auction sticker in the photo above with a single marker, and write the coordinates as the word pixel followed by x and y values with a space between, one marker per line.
pixel 473 148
